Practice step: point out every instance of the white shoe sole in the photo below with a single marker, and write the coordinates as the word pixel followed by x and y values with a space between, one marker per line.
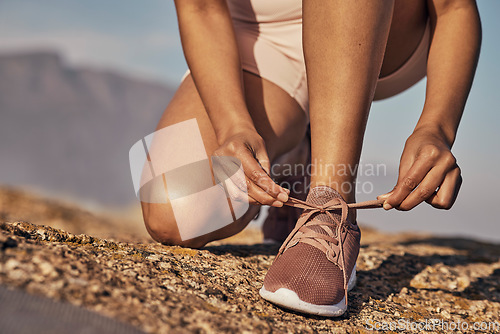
pixel 289 299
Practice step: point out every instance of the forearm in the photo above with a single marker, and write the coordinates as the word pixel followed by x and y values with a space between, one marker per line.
pixel 452 62
pixel 211 53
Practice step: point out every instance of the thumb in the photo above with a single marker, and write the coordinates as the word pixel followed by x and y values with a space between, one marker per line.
pixel 404 166
pixel 386 195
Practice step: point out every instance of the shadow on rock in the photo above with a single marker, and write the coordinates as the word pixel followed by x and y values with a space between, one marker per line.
pixel 244 250
pixel 397 271
pixel 483 288
pixel 477 251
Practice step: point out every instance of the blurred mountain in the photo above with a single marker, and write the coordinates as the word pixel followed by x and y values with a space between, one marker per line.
pixel 68 130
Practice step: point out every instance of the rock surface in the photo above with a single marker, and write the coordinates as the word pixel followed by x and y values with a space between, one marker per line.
pixel 405 277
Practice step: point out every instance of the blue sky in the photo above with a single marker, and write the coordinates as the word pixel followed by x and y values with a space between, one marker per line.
pixel 141 38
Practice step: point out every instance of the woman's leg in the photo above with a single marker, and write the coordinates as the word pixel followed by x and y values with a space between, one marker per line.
pixel 277 118
pixel 347 45
pixel 344 44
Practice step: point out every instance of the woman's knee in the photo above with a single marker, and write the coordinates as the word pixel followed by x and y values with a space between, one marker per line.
pixel 162 227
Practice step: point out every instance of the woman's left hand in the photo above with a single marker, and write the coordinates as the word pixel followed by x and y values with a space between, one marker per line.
pixel 428 171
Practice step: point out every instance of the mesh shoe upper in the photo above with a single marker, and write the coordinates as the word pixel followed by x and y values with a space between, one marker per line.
pixel 311 261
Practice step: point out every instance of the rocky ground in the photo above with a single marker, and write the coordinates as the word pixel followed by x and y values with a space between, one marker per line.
pixel 403 279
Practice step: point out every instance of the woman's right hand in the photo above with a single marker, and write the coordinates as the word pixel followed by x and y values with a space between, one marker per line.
pixel 211 51
pixel 250 149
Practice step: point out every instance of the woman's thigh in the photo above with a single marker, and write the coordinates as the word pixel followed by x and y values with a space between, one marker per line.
pixel 278 119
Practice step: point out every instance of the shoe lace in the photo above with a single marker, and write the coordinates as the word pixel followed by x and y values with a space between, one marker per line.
pixel 333 237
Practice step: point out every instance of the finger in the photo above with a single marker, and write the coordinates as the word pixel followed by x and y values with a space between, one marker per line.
pixel 228 169
pixel 236 193
pixel 447 193
pixel 252 200
pixel 259 177
pixel 405 164
pixel 249 192
pixel 261 196
pixel 407 183
pixel 263 159
pixel 237 189
pixel 386 195
pixel 404 167
pixel 425 189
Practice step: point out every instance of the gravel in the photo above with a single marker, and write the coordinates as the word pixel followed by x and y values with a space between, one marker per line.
pixel 403 280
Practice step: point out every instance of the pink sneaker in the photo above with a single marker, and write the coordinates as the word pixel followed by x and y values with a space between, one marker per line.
pixel 316 265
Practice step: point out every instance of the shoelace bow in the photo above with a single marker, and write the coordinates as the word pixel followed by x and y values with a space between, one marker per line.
pixel 323 241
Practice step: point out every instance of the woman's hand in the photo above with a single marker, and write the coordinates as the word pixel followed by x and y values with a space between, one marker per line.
pixel 427 172
pixel 249 148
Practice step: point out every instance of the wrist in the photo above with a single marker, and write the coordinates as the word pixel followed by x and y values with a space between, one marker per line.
pixel 438 130
pixel 229 129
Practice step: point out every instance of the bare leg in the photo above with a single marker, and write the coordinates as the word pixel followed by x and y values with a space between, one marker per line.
pixel 344 44
pixel 278 119
pixel 407 28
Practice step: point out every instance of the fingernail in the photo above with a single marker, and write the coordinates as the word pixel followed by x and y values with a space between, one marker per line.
pixel 283 197
pixel 277 204
pixel 387 206
pixel 286 190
